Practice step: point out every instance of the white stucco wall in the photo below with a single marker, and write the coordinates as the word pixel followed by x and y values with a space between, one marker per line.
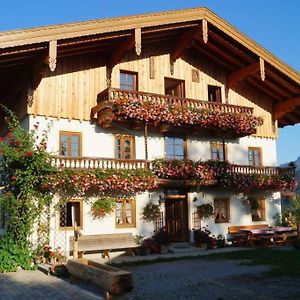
pixel 98 142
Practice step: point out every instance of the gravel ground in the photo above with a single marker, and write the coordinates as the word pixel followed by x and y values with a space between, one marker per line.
pixel 209 280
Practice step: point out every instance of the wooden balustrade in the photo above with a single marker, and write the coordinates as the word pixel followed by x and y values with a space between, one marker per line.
pixel 98 163
pixel 244 169
pixel 112 94
pixel 110 163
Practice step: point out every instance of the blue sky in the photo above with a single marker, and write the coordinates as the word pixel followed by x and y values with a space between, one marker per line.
pixel 274 24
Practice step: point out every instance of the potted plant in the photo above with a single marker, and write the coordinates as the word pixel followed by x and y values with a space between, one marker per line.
pixel 205 210
pixel 203 238
pixel 103 206
pixel 151 212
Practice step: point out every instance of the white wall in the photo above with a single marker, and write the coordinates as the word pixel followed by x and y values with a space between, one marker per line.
pixel 240 213
pixel 98 142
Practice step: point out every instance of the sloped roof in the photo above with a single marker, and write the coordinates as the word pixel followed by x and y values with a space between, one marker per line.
pixel 226 45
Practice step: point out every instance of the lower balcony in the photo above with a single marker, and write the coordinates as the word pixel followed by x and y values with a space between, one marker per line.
pixel 170 113
pixel 187 173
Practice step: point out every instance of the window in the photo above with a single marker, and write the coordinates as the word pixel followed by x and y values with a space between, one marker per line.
pixel 174 87
pixel 124 147
pixel 70 213
pixel 217 151
pixel 214 93
pixel 254 156
pixel 128 81
pixel 258 211
pixel 126 213
pixel 70 144
pixel 221 210
pixel 175 147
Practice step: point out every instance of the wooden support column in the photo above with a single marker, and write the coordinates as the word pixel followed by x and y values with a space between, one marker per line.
pixel 52 55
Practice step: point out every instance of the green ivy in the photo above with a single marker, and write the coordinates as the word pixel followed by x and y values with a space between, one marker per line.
pixel 22 166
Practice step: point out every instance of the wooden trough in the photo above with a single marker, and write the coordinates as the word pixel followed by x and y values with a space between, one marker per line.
pixel 113 280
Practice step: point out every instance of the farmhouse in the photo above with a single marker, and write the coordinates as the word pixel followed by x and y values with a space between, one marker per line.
pixel 179 107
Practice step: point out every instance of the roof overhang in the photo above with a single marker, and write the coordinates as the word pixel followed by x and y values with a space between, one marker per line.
pixel 197 29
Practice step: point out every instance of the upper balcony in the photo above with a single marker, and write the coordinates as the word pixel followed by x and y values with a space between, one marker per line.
pixel 171 112
pixel 187 173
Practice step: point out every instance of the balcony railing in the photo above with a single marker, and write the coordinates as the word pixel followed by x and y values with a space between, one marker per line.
pixel 109 100
pixel 98 163
pixel 133 164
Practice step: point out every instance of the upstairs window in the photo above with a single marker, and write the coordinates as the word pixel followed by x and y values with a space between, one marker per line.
pixel 217 151
pixel 124 147
pixel 175 147
pixel 174 87
pixel 255 156
pixel 70 144
pixel 126 213
pixel 258 213
pixel 128 81
pixel 222 210
pixel 214 93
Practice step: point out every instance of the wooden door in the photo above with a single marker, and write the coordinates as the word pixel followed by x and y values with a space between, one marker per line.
pixel 176 217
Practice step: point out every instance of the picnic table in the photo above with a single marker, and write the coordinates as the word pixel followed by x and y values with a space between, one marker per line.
pixel 267 236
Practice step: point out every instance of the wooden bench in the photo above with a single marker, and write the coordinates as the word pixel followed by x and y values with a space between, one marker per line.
pixel 242 238
pixel 104 243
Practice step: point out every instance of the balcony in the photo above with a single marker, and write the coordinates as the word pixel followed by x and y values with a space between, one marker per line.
pixel 170 112
pixel 192 173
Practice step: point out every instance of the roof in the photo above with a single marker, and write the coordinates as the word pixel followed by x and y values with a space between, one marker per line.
pixel 227 46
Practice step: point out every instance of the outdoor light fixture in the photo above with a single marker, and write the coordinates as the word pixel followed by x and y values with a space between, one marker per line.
pixel 161 199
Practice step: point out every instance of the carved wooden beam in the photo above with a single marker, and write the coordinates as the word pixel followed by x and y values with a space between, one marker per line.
pixel 204 31
pixel 138 40
pixel 52 55
pixel 286 106
pixel 127 44
pixel 184 42
pixel 262 69
pixel 241 74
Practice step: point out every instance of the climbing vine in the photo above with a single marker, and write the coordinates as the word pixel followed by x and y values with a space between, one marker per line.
pixel 23 164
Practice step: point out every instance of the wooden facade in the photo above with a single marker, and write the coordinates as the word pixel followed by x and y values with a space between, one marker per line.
pixel 71 90
pixel 57 71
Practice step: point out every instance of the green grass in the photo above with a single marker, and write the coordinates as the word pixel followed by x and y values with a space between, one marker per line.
pixel 282 262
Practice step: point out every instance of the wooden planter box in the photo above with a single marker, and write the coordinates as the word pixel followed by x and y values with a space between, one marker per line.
pixel 113 280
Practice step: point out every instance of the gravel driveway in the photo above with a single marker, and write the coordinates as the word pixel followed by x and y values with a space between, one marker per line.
pixel 209 280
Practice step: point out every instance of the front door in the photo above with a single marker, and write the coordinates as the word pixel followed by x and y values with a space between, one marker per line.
pixel 176 217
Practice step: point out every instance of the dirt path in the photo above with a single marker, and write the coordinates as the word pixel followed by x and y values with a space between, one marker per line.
pixel 209 280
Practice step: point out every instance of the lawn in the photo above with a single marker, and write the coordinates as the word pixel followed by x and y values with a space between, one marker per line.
pixel 282 262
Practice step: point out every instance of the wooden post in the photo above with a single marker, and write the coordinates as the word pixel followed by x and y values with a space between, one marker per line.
pixel 224 149
pixel 146 140
pixel 298 230
pixel 75 241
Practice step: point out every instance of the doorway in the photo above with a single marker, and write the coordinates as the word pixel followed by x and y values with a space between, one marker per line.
pixel 176 215
pixel 174 87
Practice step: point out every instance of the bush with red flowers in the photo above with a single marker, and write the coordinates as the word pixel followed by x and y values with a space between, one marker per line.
pixel 157 113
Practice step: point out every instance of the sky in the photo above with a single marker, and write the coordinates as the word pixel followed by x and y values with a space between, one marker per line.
pixel 274 24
